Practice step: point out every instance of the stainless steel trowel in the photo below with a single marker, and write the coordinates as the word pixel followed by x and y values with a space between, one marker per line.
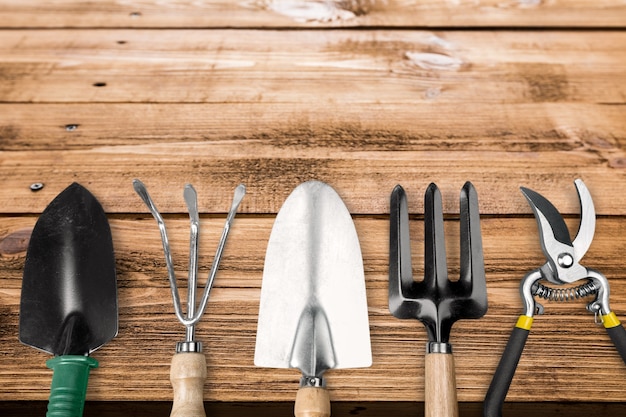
pixel 313 310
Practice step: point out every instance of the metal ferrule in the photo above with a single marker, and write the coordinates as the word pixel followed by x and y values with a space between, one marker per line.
pixel 601 303
pixel 312 381
pixel 438 347
pixel 189 347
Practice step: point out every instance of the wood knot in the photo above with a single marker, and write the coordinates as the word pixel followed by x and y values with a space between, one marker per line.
pixel 618 163
pixel 15 242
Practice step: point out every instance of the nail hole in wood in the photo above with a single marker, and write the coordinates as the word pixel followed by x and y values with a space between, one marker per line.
pixel 99 84
pixel 36 186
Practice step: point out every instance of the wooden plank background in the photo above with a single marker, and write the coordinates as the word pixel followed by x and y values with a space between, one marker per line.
pixel 306 13
pixel 504 94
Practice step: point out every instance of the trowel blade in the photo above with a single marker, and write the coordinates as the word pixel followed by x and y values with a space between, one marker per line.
pixel 69 289
pixel 313 310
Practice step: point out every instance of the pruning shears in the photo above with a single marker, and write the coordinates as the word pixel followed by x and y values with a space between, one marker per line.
pixel 562 267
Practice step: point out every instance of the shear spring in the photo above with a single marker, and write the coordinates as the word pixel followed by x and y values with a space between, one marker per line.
pixel 565 294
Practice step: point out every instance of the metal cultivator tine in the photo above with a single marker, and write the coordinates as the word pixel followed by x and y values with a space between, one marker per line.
pixel 194 313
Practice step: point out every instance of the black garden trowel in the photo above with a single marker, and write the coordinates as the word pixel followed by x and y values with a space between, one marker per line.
pixel 69 294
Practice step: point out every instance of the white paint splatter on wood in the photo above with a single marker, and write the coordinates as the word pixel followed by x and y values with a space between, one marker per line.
pixel 438 42
pixel 529 3
pixel 434 62
pixel 304 11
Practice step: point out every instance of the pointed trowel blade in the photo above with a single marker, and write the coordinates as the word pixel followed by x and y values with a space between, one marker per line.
pixel 313 310
pixel 69 290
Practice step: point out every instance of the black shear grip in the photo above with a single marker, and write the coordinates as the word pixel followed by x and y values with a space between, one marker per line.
pixel 617 333
pixel 503 376
pixel 499 387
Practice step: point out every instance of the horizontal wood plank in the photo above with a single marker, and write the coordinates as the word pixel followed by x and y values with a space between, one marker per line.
pixel 322 68
pixel 570 349
pixel 309 13
pixel 598 129
pixel 363 179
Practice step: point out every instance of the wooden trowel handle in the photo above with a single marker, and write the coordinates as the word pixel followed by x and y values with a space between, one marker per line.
pixel 440 386
pixel 187 374
pixel 312 402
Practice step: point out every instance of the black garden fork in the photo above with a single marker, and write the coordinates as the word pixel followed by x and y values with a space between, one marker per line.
pixel 436 301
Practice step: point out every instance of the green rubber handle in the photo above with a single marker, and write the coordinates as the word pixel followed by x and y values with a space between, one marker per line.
pixel 69 384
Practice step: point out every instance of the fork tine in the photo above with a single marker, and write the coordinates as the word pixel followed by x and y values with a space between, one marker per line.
pixel 472 259
pixel 435 263
pixel 400 266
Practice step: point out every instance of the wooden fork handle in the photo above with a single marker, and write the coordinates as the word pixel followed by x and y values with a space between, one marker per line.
pixel 440 386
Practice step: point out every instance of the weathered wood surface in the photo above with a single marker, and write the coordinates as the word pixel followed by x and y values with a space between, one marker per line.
pixel 565 348
pixel 312 13
pixel 335 67
pixel 218 93
pixel 364 179
pixel 504 108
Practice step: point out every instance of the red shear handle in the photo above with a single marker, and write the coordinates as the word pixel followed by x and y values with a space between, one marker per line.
pixel 617 333
pixel 506 368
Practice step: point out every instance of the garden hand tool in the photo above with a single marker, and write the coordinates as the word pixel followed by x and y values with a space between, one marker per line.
pixel 436 301
pixel 313 309
pixel 562 267
pixel 188 368
pixel 69 294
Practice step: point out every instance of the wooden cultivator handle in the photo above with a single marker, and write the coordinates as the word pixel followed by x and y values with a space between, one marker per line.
pixel 187 374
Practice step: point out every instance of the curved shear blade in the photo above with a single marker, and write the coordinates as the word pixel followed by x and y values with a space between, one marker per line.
pixel 551 223
pixel 587 226
pixel 562 254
